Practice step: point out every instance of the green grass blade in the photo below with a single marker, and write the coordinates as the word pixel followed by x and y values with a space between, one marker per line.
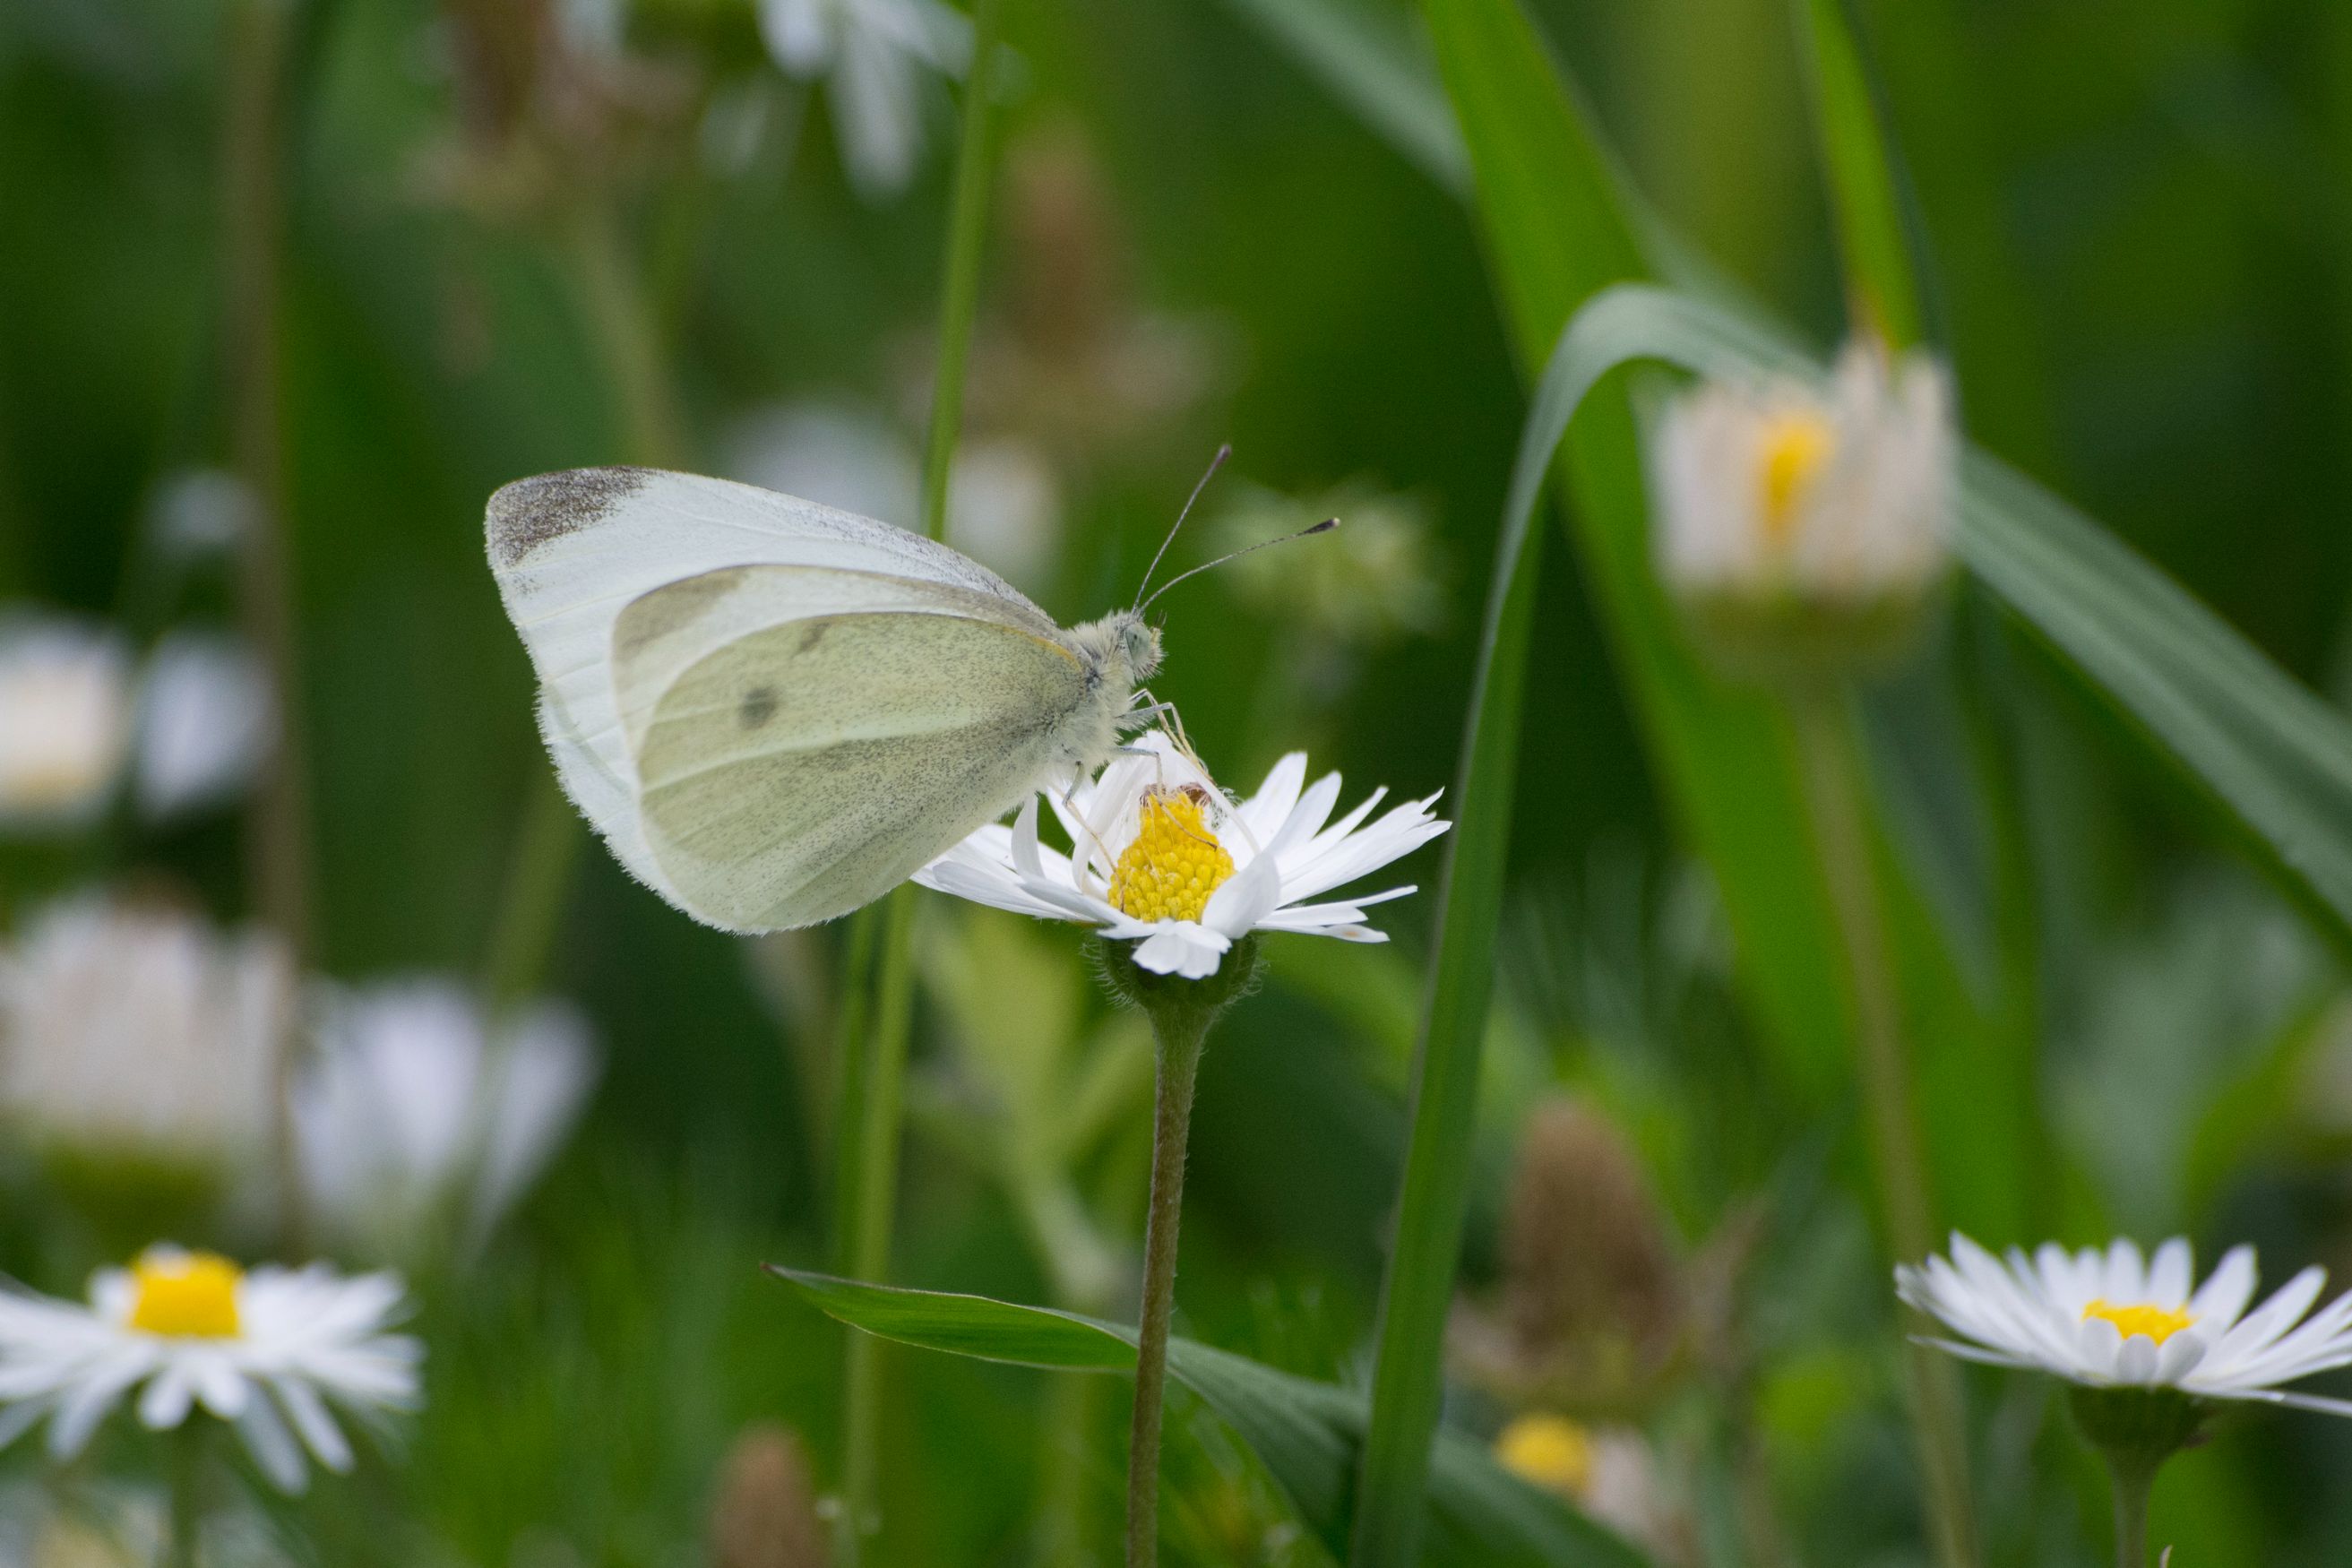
pixel 1305 1433
pixel 1863 196
pixel 870 1145
pixel 1379 70
pixel 1408 1385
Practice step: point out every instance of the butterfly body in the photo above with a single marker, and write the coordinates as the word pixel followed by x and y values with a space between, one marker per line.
pixel 775 711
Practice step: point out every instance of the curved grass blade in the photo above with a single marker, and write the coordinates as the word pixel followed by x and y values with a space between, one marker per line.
pixel 1305 1433
pixel 1408 1386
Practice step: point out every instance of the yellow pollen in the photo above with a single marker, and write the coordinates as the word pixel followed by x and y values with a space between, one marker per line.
pixel 2158 1323
pixel 1174 864
pixel 187 1295
pixel 1788 456
pixel 1551 1451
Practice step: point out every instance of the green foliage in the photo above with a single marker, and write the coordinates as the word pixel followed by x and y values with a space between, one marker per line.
pixel 1307 1433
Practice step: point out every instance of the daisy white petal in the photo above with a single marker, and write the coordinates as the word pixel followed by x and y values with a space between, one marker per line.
pixel 2119 1318
pixel 186 1332
pixel 1162 858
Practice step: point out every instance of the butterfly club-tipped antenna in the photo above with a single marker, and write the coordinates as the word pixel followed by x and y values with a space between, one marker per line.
pixel 1326 526
pixel 1223 452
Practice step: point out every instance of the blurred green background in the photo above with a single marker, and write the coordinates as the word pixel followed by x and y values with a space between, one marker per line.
pixel 2142 218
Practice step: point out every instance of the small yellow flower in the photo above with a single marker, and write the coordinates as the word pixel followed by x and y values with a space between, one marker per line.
pixel 1175 862
pixel 1550 1451
pixel 185 1295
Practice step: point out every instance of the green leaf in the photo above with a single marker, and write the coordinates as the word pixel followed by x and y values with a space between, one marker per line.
pixel 2265 750
pixel 1305 1433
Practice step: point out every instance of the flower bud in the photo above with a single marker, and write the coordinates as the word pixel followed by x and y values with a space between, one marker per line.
pixel 765 1514
pixel 1593 1314
pixel 1804 531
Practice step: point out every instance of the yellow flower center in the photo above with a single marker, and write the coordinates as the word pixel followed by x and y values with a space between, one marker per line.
pixel 1788 456
pixel 187 1295
pixel 1175 862
pixel 2158 1323
pixel 1551 1451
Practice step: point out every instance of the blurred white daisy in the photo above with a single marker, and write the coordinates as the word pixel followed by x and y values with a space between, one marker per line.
pixel 1830 509
pixel 414 1111
pixel 137 1030
pixel 65 720
pixel 267 1351
pixel 876 56
pixel 1169 863
pixel 205 722
pixel 2115 1319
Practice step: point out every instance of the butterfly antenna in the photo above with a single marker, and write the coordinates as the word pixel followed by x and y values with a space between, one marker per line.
pixel 1214 463
pixel 1326 526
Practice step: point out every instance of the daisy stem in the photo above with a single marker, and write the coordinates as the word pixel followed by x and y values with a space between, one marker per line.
pixel 1180 1034
pixel 185 1463
pixel 1833 797
pixel 871 1156
pixel 2135 1477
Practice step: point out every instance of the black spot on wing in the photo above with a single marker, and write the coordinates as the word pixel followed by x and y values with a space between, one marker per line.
pixel 759 706
pixel 530 513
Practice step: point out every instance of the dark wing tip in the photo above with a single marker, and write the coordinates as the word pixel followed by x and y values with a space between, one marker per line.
pixel 530 512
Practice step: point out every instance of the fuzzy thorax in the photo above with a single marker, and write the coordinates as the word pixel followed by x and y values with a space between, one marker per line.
pixel 1118 651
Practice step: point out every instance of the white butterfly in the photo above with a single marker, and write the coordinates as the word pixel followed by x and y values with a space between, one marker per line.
pixel 775 713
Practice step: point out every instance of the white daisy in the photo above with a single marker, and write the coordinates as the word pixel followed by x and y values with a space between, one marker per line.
pixel 2114 1319
pixel 128 1029
pixel 1169 863
pixel 875 55
pixel 416 1110
pixel 65 721
pixel 266 1351
pixel 206 720
pixel 1843 495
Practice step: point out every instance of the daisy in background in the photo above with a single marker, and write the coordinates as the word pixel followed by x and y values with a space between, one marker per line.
pixel 1805 528
pixel 134 1031
pixel 877 57
pixel 65 721
pixel 1166 861
pixel 417 1114
pixel 272 1352
pixel 2150 1350
pixel 187 728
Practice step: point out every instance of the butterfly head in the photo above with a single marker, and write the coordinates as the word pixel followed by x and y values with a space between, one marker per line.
pixel 1139 643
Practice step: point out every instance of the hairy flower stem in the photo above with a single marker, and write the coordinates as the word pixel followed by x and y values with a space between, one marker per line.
pixel 873 1154
pixel 1833 797
pixel 1181 1012
pixel 1171 1125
